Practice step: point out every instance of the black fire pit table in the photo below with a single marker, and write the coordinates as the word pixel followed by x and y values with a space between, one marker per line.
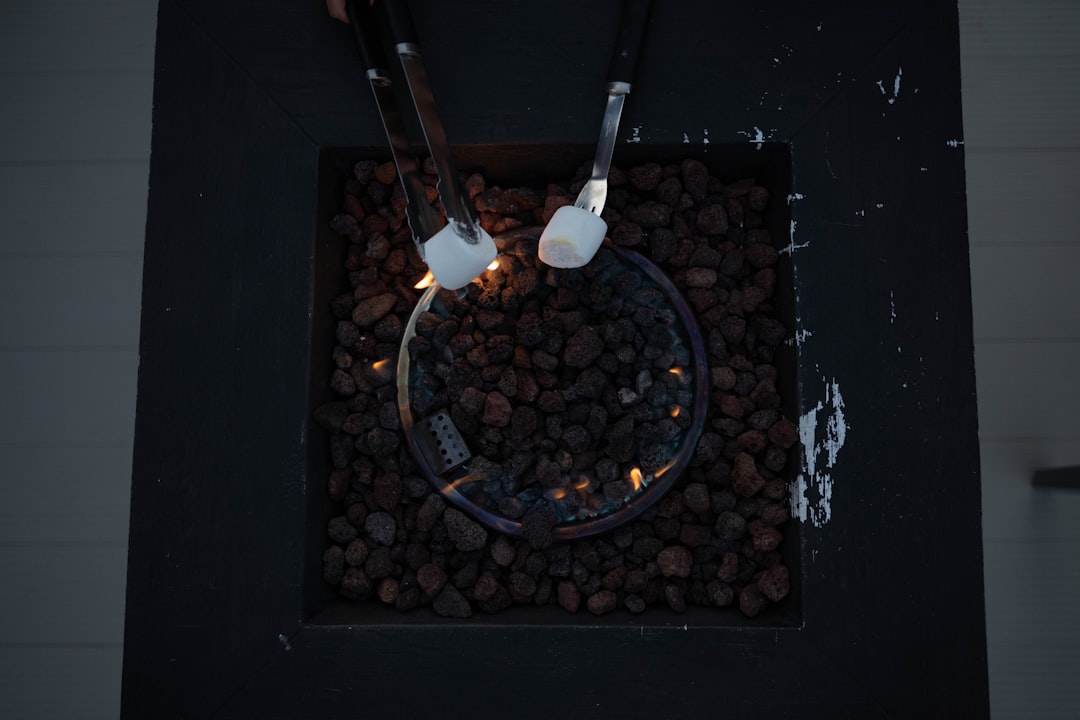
pixel 851 114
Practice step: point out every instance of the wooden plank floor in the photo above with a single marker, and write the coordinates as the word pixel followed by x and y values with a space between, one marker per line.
pixel 75 103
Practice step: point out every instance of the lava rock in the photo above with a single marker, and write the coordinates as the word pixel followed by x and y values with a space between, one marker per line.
pixel 465 532
pixel 431 579
pixel 752 601
pixel 333 564
pixel 370 310
pixel 341 531
pixel 537 524
pixel 451 603
pixel 381 527
pixel 569 596
pixel 775 583
pixel 602 602
pixel 674 561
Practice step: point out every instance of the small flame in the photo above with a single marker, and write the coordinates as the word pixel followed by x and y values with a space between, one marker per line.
pixel 425 282
pixel 464 480
pixel 635 478
pixel 678 372
pixel 383 368
pixel 494 264
pixel 676 411
pixel 558 493
pixel 582 483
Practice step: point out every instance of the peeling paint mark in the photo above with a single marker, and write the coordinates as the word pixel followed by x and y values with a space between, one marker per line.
pixel 705 138
pixel 819 25
pixel 685 139
pixel 799 337
pixel 795 196
pixel 892 308
pixel 792 247
pixel 896 86
pixel 635 137
pixel 860 213
pixel 284 642
pixel 954 143
pixel 758 136
pixel 879 205
pixel 811 494
pixel 922 169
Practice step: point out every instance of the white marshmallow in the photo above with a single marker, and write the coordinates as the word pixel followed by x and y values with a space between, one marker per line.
pixel 455 262
pixel 572 237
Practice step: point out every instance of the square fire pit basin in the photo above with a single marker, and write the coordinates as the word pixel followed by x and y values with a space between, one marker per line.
pixel 516 165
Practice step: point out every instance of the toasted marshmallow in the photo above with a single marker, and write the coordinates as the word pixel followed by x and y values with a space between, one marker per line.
pixel 572 237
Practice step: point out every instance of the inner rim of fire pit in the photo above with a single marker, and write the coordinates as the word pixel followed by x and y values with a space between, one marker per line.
pixel 581 502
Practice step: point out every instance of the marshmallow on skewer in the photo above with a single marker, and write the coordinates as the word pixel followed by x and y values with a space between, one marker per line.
pixel 453 260
pixel 572 237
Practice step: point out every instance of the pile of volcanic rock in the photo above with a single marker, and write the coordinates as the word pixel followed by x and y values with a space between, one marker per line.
pixel 561 382
pixel 713 540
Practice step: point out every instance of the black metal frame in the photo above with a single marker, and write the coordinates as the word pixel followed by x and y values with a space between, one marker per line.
pixel 248 96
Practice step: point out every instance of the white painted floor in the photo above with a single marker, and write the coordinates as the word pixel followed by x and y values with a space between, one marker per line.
pixel 75 102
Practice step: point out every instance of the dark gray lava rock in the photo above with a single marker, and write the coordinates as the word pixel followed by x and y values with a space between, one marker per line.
pixel 381 527
pixel 466 533
pixel 451 603
pixel 341 530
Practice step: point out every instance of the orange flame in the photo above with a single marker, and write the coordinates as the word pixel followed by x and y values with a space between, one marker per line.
pixel 425 282
pixel 677 372
pixel 676 411
pixel 383 368
pixel 464 480
pixel 494 264
pixel 635 478
pixel 558 493
pixel 663 470
pixel 582 483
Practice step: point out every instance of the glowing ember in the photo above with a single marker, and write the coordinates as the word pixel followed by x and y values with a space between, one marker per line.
pixel 635 478
pixel 557 493
pixel 676 411
pixel 582 484
pixel 494 264
pixel 425 282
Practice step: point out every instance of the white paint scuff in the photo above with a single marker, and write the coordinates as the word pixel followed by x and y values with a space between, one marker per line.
pixel 757 136
pixel 895 87
pixel 799 337
pixel 954 143
pixel 635 136
pixel 792 246
pixel 811 494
